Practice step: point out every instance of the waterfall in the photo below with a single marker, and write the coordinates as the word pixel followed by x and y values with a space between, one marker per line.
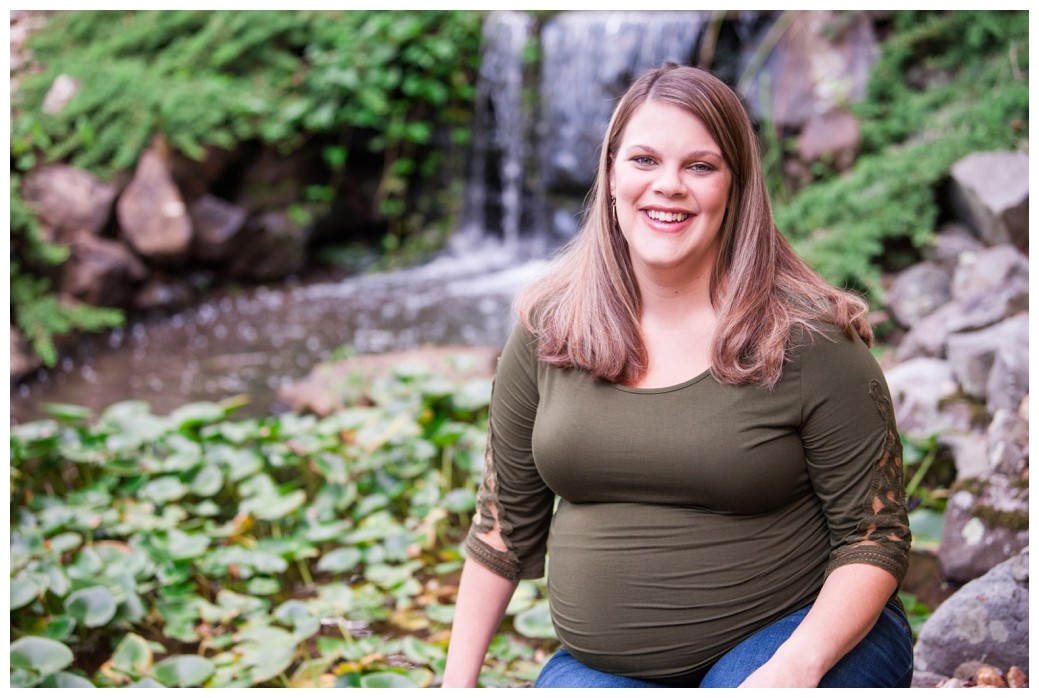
pixel 533 161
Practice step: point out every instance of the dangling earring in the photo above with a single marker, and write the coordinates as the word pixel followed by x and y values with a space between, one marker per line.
pixel 613 206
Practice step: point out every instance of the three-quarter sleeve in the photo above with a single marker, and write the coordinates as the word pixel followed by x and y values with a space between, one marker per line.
pixel 854 454
pixel 514 506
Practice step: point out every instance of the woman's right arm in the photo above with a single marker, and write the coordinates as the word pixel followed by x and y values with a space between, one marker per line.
pixel 482 599
pixel 506 541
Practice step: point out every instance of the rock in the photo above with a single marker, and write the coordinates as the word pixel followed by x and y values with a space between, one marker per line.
pixel 970 453
pixel 332 386
pixel 972 355
pixel 986 620
pixel 1007 443
pixel 930 335
pixel 218 225
pixel 951 242
pixel 69 200
pixel 197 177
pixel 152 216
pixel 986 522
pixel 101 272
pixel 921 392
pixel 919 291
pixel 23 359
pixel 833 136
pixel 274 246
pixel 1008 380
pixel 820 61
pixel 989 269
pixel 61 92
pixel 990 192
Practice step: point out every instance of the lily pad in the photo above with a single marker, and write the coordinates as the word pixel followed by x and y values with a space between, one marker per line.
pixel 91 607
pixel 183 670
pixel 339 560
pixel 387 679
pixel 133 655
pixel 40 655
pixel 536 622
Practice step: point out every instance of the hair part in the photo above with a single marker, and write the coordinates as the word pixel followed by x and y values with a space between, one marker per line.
pixel 585 311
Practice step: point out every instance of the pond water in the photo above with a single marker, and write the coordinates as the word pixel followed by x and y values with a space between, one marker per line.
pixel 252 342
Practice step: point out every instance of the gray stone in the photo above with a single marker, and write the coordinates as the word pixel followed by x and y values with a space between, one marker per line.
pixel 218 225
pixel 986 620
pixel 919 291
pixel 61 92
pixel 820 61
pixel 69 200
pixel 23 359
pixel 951 242
pixel 987 270
pixel 1008 380
pixel 990 192
pixel 1007 443
pixel 970 453
pixel 152 216
pixel 986 522
pixel 101 272
pixel 832 136
pixel 972 355
pixel 929 336
pixel 276 247
pixel 921 393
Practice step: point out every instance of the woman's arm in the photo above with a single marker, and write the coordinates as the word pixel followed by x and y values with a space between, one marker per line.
pixel 847 608
pixel 482 599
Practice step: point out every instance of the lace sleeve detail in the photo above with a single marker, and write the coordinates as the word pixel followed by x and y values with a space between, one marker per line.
pixel 488 540
pixel 882 537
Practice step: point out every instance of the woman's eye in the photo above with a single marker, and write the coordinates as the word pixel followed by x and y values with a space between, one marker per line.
pixel 701 167
pixel 642 160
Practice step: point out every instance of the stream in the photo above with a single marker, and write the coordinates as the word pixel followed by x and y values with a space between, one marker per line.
pixel 252 342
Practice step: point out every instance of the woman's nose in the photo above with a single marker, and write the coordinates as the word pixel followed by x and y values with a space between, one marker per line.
pixel 669 182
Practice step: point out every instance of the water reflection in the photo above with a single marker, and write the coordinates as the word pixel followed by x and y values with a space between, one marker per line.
pixel 253 342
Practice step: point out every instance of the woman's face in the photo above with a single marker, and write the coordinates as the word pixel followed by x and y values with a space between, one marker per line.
pixel 671 185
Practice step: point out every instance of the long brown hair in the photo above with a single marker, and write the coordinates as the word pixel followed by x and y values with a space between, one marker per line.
pixel 585 311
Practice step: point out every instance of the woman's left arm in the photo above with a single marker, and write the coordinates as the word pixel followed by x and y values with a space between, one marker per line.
pixel 846 609
pixel 854 457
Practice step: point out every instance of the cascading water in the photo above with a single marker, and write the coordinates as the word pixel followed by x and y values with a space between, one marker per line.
pixel 531 167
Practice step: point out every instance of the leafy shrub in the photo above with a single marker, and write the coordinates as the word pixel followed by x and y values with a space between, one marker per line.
pixel 398 85
pixel 946 84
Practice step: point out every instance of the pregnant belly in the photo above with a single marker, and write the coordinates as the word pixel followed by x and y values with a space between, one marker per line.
pixel 655 591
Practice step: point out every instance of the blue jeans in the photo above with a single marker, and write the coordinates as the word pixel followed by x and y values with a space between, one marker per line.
pixel 884 659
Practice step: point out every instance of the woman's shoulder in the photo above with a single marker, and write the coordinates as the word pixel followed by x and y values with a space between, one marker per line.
pixel 823 346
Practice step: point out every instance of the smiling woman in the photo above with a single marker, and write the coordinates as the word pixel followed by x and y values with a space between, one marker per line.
pixel 688 418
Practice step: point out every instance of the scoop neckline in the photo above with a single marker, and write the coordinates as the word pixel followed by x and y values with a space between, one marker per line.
pixel 663 389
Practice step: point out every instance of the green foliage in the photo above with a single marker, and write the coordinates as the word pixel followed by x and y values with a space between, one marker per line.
pixel 196 550
pixel 38 312
pixel 946 84
pixel 397 84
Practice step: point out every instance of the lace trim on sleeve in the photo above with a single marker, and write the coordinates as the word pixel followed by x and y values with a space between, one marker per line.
pixel 488 540
pixel 882 537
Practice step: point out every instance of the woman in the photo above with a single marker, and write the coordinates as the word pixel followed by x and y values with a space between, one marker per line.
pixel 720 439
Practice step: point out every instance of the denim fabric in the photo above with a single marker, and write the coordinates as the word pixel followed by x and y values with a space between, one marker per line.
pixel 884 659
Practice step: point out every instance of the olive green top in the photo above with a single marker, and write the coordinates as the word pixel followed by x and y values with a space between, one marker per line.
pixel 691 516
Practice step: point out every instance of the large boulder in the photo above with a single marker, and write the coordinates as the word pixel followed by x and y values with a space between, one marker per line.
pixel 923 392
pixel 68 200
pixel 820 60
pixel 990 191
pixel 986 522
pixel 919 291
pixel 152 216
pixel 986 620
pixel 101 272
pixel 218 227
pixel 973 354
